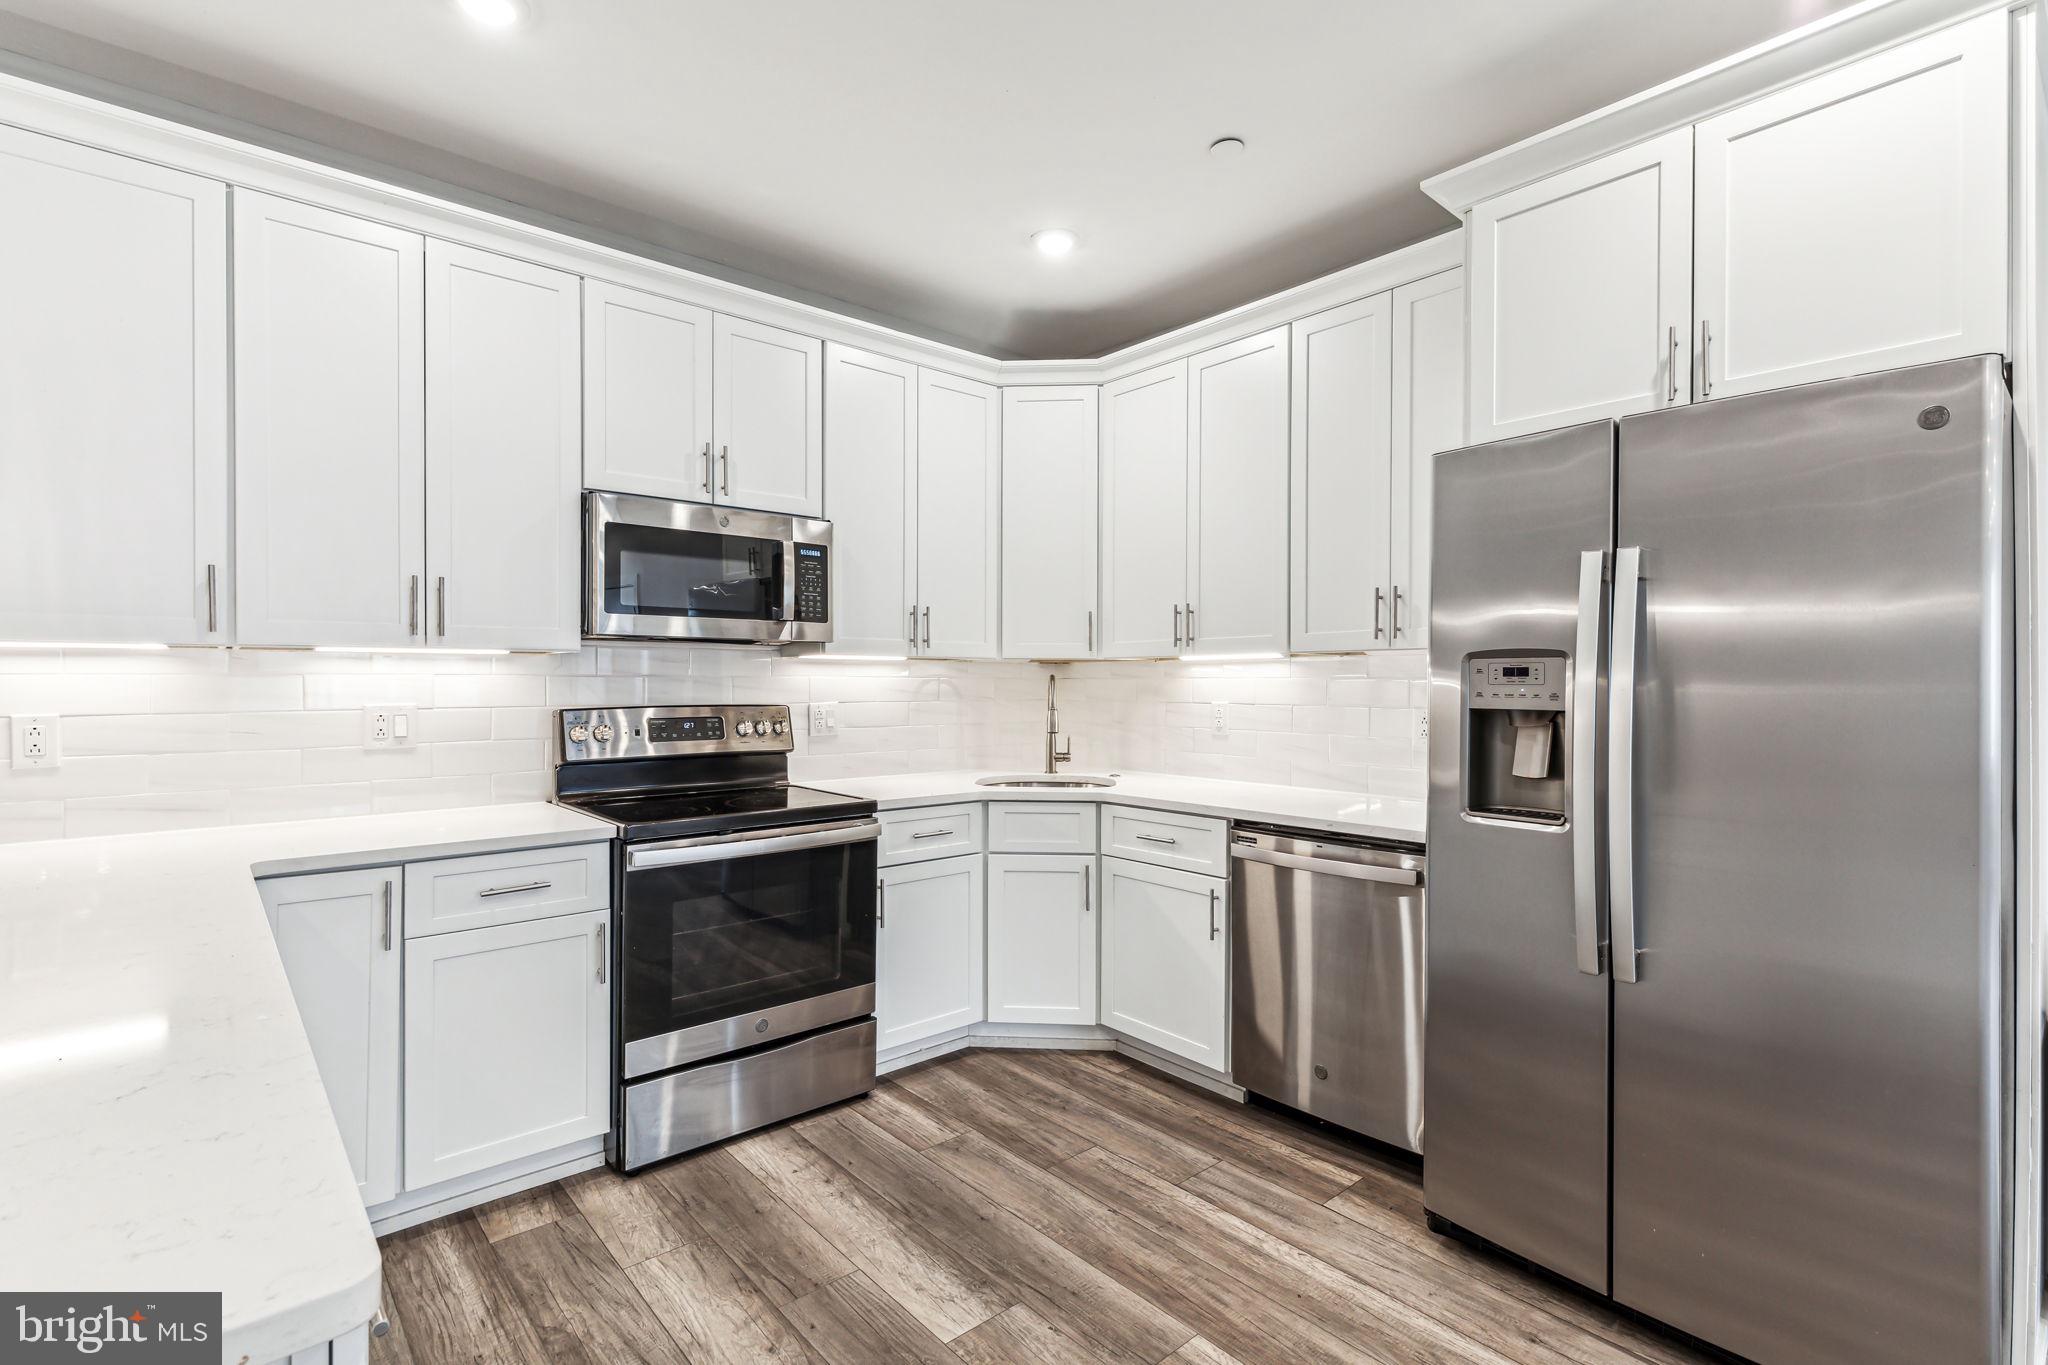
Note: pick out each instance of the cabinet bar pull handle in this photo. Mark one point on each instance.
(1671, 366)
(1214, 927)
(441, 606)
(1706, 365)
(1379, 602)
(707, 466)
(412, 606)
(1091, 632)
(913, 625)
(1176, 625)
(1191, 626)
(212, 599)
(512, 890)
(932, 834)
(724, 470)
(881, 903)
(927, 627)
(601, 954)
(1157, 839)
(387, 916)
(1087, 887)
(1396, 616)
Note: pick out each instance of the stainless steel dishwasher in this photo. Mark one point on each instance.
(1327, 937)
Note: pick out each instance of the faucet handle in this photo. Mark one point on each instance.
(1064, 751)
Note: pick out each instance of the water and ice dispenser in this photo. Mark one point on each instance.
(1514, 737)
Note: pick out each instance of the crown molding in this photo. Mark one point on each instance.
(1829, 42)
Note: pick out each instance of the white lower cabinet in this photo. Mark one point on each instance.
(1041, 938)
(1165, 959)
(928, 949)
(339, 935)
(506, 1033)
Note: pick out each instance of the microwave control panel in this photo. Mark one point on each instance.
(813, 593)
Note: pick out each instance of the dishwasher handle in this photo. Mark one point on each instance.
(1363, 872)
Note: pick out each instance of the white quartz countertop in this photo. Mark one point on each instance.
(1332, 812)
(162, 1124)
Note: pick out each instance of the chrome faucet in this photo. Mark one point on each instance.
(1055, 752)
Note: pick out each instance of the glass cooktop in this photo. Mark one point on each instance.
(682, 812)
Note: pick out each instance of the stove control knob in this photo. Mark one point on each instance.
(578, 732)
(746, 727)
(781, 727)
(601, 732)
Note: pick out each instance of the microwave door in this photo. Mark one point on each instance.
(657, 569)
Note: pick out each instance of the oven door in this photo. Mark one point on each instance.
(659, 569)
(736, 940)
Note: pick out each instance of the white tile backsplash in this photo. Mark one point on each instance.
(185, 738)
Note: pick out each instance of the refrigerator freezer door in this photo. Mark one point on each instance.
(1515, 1060)
(1808, 1073)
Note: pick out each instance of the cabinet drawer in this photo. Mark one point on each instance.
(1192, 843)
(505, 888)
(914, 836)
(1041, 827)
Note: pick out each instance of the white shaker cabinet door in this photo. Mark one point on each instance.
(330, 428)
(646, 394)
(1581, 292)
(1237, 491)
(339, 935)
(928, 949)
(1145, 513)
(1049, 522)
(1857, 221)
(871, 445)
(767, 418)
(1341, 477)
(113, 398)
(504, 425)
(1165, 954)
(507, 1035)
(1041, 938)
(1429, 418)
(959, 517)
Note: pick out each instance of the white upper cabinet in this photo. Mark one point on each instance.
(504, 426)
(646, 394)
(1429, 418)
(1049, 525)
(1857, 221)
(1237, 498)
(767, 418)
(959, 517)
(1581, 293)
(1144, 512)
(113, 398)
(871, 446)
(1342, 477)
(330, 427)
(339, 937)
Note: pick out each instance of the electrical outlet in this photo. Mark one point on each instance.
(38, 743)
(1219, 719)
(824, 718)
(390, 727)
(1422, 725)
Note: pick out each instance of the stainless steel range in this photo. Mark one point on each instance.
(745, 943)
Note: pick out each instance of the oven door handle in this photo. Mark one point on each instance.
(718, 848)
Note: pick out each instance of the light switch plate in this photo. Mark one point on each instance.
(391, 727)
(824, 718)
(38, 742)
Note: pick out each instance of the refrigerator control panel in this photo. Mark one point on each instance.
(1511, 684)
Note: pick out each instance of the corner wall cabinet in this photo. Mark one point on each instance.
(1145, 512)
(1050, 576)
(113, 425)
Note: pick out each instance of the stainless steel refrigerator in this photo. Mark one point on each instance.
(1720, 838)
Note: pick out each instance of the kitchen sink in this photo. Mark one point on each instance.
(1069, 780)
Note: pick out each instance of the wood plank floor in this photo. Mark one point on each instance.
(990, 1207)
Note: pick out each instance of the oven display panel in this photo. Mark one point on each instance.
(682, 729)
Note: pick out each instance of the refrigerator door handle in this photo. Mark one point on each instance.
(1586, 926)
(1621, 761)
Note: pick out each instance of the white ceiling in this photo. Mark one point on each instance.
(897, 154)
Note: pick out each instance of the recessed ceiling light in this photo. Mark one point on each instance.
(1226, 147)
(1053, 242)
(493, 13)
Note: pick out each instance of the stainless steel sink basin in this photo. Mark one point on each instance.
(1067, 780)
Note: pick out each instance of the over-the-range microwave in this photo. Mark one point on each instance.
(657, 569)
